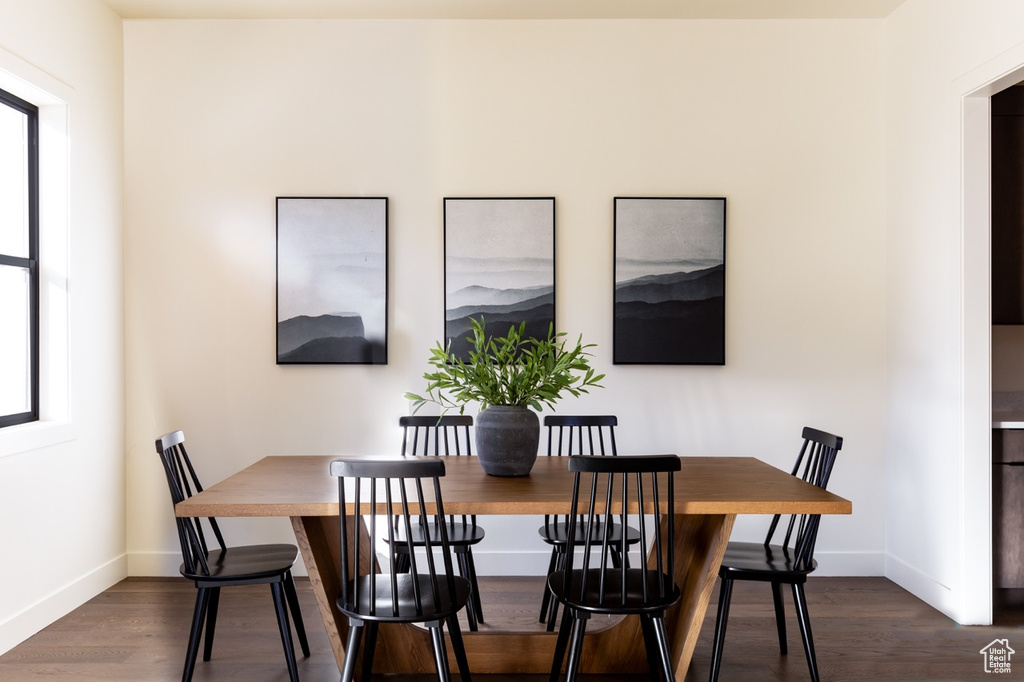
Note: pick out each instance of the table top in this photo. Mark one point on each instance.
(301, 485)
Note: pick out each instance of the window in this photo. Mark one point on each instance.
(19, 261)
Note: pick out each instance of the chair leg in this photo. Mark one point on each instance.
(658, 625)
(198, 615)
(780, 618)
(804, 620)
(560, 644)
(473, 582)
(616, 557)
(459, 647)
(402, 562)
(293, 605)
(552, 615)
(355, 633)
(286, 631)
(369, 648)
(460, 555)
(546, 599)
(651, 647)
(553, 607)
(440, 653)
(579, 629)
(723, 616)
(211, 622)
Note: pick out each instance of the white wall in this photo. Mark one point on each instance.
(784, 118)
(942, 60)
(62, 499)
(850, 262)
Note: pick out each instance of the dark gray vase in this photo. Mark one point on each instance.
(507, 439)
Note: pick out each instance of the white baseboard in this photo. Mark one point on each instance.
(511, 563)
(850, 564)
(154, 564)
(60, 602)
(165, 564)
(843, 564)
(921, 585)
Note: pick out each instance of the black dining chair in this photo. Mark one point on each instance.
(577, 435)
(223, 566)
(637, 486)
(400, 490)
(447, 435)
(788, 563)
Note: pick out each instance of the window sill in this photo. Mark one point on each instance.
(34, 436)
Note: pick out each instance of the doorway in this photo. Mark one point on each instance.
(974, 102)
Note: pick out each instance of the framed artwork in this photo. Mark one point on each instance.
(669, 281)
(499, 264)
(332, 280)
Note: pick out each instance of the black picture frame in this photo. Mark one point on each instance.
(332, 280)
(499, 264)
(669, 281)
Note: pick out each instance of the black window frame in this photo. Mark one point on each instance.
(31, 263)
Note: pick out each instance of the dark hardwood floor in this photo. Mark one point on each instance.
(865, 629)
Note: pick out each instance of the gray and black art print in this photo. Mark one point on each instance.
(499, 261)
(669, 281)
(332, 274)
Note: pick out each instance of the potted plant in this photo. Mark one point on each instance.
(508, 375)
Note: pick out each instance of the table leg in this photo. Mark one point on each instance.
(700, 545)
(700, 542)
(319, 539)
(399, 647)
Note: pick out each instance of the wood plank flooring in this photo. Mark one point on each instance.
(865, 629)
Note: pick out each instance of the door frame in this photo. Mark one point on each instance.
(972, 94)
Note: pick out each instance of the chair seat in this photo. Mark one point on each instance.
(558, 534)
(459, 535)
(246, 562)
(754, 561)
(407, 611)
(612, 579)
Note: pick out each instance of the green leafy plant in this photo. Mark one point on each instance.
(508, 370)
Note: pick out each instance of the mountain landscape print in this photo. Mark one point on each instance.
(331, 280)
(499, 266)
(669, 281)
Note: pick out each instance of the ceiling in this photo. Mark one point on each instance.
(503, 9)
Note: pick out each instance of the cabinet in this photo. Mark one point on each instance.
(1008, 206)
(1007, 509)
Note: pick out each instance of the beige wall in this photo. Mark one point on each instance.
(62, 484)
(784, 118)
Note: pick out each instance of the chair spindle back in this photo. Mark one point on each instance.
(570, 435)
(183, 483)
(395, 489)
(813, 465)
(426, 436)
(581, 435)
(635, 487)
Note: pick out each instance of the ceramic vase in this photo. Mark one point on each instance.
(506, 440)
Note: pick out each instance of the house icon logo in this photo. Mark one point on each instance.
(997, 656)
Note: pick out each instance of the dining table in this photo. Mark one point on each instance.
(709, 493)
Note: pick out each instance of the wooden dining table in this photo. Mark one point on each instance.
(709, 493)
